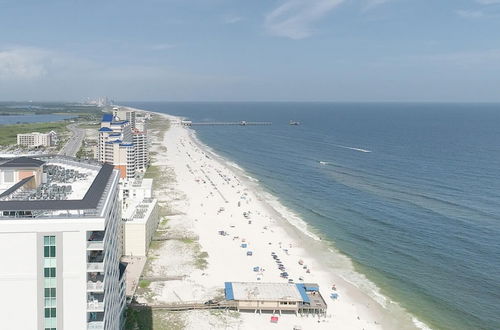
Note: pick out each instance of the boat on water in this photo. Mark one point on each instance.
(294, 123)
(323, 163)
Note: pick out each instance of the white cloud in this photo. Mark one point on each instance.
(470, 13)
(23, 63)
(293, 18)
(47, 74)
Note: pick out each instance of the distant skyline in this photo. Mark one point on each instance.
(240, 50)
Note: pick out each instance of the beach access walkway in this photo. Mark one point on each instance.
(184, 306)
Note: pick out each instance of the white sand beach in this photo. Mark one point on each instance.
(210, 196)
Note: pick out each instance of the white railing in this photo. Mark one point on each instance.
(95, 266)
(95, 306)
(95, 245)
(95, 325)
(95, 286)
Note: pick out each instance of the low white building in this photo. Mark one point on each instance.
(139, 227)
(61, 243)
(135, 191)
(36, 139)
(140, 215)
(303, 298)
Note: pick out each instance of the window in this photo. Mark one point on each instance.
(49, 251)
(49, 274)
(50, 312)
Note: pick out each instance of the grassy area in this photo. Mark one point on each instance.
(8, 133)
(144, 284)
(187, 240)
(200, 260)
(44, 108)
(161, 175)
(159, 123)
(159, 320)
(153, 172)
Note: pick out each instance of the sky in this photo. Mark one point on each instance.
(250, 50)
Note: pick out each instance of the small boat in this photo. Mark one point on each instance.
(323, 163)
(294, 123)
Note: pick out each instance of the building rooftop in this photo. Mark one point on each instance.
(107, 117)
(264, 291)
(121, 122)
(68, 184)
(21, 162)
(139, 212)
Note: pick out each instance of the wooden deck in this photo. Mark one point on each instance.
(184, 306)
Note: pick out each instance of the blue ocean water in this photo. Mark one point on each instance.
(409, 192)
(8, 120)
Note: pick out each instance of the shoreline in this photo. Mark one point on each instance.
(361, 305)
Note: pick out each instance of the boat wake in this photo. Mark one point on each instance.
(352, 148)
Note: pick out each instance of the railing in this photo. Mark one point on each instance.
(95, 286)
(95, 325)
(95, 306)
(95, 266)
(95, 245)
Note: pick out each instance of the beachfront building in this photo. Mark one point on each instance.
(15, 170)
(139, 227)
(125, 114)
(115, 145)
(60, 236)
(135, 190)
(123, 145)
(36, 139)
(140, 139)
(276, 297)
(140, 215)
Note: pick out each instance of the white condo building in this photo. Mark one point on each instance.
(36, 139)
(61, 237)
(140, 139)
(125, 114)
(115, 145)
(140, 213)
(122, 144)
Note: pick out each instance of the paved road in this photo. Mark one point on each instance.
(75, 141)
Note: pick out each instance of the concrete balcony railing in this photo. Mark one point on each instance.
(95, 245)
(95, 266)
(95, 286)
(95, 325)
(95, 306)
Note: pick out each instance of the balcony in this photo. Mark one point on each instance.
(95, 286)
(95, 267)
(95, 240)
(95, 320)
(95, 306)
(93, 303)
(95, 325)
(95, 245)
